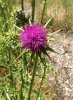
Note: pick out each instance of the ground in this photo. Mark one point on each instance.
(64, 63)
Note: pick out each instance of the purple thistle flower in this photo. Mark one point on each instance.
(34, 37)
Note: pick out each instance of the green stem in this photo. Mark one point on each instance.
(41, 83)
(33, 10)
(22, 5)
(22, 85)
(9, 63)
(28, 68)
(43, 11)
(33, 76)
(43, 77)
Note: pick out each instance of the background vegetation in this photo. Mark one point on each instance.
(14, 77)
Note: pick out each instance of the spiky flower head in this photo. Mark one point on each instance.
(34, 37)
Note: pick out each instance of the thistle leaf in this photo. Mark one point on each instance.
(52, 50)
(52, 34)
(48, 22)
(56, 41)
(45, 53)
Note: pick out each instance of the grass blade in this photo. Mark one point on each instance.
(7, 95)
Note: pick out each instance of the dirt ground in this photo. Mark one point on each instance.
(64, 64)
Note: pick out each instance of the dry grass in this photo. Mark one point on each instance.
(61, 11)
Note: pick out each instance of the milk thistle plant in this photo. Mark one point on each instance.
(34, 38)
(23, 53)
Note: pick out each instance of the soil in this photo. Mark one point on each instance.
(64, 64)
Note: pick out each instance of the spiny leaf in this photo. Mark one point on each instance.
(48, 22)
(45, 53)
(50, 35)
(56, 41)
(52, 50)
